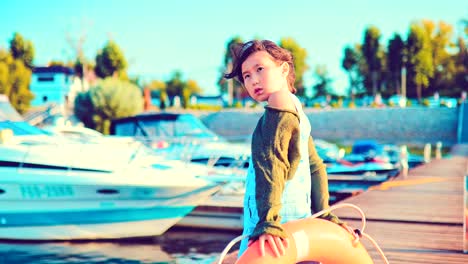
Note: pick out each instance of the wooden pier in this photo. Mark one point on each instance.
(417, 218)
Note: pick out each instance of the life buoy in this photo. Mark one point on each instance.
(312, 239)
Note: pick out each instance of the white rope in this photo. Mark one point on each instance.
(384, 258)
(316, 215)
(229, 246)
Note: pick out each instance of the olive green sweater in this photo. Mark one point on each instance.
(275, 158)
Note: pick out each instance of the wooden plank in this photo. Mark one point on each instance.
(409, 207)
(437, 198)
(394, 236)
(422, 257)
(417, 218)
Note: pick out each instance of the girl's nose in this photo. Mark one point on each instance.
(255, 79)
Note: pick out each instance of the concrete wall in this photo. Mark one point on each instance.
(416, 126)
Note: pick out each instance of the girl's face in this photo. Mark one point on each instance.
(263, 76)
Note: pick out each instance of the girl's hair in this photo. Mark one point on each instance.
(240, 52)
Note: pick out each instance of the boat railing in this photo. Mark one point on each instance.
(138, 150)
(23, 160)
(187, 148)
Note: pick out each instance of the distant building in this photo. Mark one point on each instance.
(52, 85)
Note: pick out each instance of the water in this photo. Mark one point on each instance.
(177, 245)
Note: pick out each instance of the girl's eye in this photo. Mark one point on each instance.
(246, 76)
(259, 69)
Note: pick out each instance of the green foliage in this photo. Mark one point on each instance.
(111, 98)
(162, 99)
(176, 86)
(15, 78)
(22, 49)
(460, 81)
(395, 59)
(323, 85)
(350, 63)
(192, 87)
(300, 66)
(350, 58)
(20, 78)
(157, 85)
(78, 67)
(15, 72)
(185, 97)
(372, 56)
(434, 63)
(224, 84)
(420, 63)
(110, 61)
(441, 46)
(84, 109)
(5, 62)
(158, 90)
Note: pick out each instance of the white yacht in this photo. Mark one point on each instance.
(55, 188)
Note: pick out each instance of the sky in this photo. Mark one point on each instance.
(160, 37)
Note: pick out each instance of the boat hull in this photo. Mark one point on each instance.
(42, 208)
(111, 230)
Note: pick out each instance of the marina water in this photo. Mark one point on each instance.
(177, 245)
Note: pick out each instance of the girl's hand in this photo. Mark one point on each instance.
(277, 244)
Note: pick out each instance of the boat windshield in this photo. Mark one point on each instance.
(183, 126)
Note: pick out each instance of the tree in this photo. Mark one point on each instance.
(322, 87)
(440, 36)
(420, 65)
(5, 61)
(395, 58)
(110, 99)
(22, 49)
(19, 78)
(370, 51)
(300, 65)
(110, 61)
(84, 109)
(461, 73)
(78, 67)
(232, 87)
(191, 88)
(15, 78)
(350, 63)
(158, 90)
(176, 86)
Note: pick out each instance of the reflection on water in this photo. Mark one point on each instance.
(176, 246)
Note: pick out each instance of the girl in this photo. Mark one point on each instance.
(286, 178)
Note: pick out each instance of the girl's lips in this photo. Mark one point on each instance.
(258, 90)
